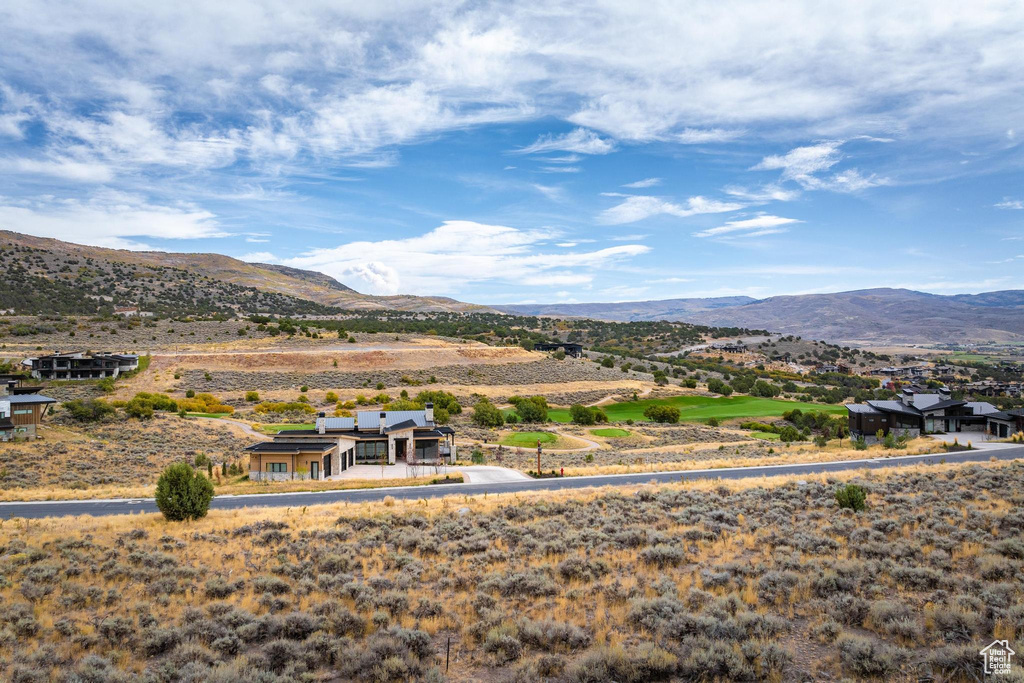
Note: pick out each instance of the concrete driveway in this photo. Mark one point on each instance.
(476, 474)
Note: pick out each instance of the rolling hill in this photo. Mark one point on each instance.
(888, 316)
(42, 274)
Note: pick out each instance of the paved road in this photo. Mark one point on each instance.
(128, 506)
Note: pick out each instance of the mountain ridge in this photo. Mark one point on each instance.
(299, 284)
(876, 315)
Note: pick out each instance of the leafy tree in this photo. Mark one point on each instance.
(485, 414)
(532, 409)
(662, 413)
(182, 493)
(607, 362)
(585, 415)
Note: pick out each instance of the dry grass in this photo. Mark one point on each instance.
(751, 579)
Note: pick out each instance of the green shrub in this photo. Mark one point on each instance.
(191, 393)
(713, 422)
(252, 396)
(485, 414)
(852, 497)
(585, 415)
(662, 413)
(88, 410)
(182, 493)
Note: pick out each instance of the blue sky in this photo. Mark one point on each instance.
(517, 152)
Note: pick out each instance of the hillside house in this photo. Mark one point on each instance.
(335, 444)
(574, 350)
(21, 414)
(81, 366)
(914, 414)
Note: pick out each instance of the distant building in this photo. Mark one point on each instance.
(574, 350)
(126, 311)
(337, 443)
(81, 366)
(730, 347)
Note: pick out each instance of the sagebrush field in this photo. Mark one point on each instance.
(739, 581)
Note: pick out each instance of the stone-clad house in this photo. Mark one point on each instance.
(336, 444)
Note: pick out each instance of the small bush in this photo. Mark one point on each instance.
(182, 493)
(852, 497)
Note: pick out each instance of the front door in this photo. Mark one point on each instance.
(314, 470)
(400, 448)
(327, 465)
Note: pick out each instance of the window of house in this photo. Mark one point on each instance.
(371, 450)
(23, 411)
(426, 449)
(277, 467)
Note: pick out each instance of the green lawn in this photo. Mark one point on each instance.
(527, 439)
(610, 432)
(767, 436)
(282, 427)
(208, 414)
(700, 408)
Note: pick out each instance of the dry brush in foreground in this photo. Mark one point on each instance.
(750, 580)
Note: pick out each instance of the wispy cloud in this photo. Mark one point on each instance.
(579, 140)
(108, 219)
(638, 207)
(1016, 204)
(646, 182)
(749, 227)
(696, 136)
(805, 164)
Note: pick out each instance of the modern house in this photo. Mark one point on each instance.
(914, 414)
(21, 414)
(1004, 424)
(571, 349)
(76, 366)
(337, 443)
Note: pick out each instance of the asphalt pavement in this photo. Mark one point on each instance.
(123, 506)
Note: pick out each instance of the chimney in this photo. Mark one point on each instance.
(429, 412)
(944, 391)
(321, 423)
(383, 421)
(10, 387)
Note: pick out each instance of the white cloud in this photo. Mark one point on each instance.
(458, 254)
(560, 169)
(108, 219)
(764, 193)
(557, 280)
(258, 257)
(638, 207)
(803, 164)
(696, 136)
(1007, 203)
(69, 169)
(750, 227)
(646, 182)
(579, 140)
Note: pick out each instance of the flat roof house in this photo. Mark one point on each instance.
(337, 443)
(570, 348)
(79, 366)
(916, 413)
